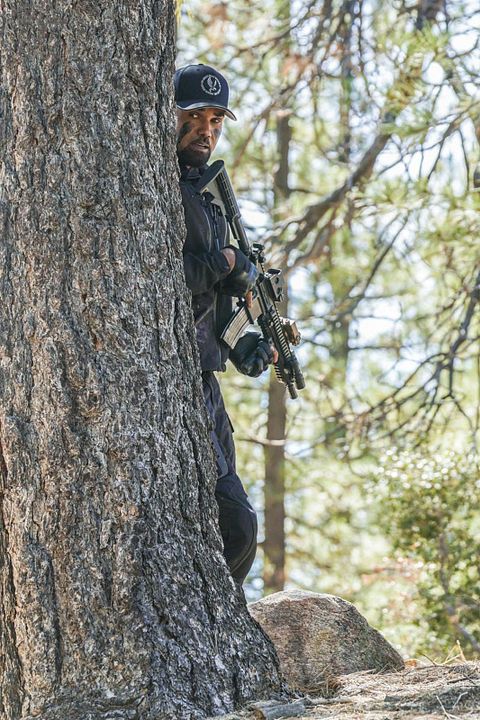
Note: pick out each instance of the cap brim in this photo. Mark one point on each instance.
(186, 105)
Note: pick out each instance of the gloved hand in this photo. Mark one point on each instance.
(252, 354)
(242, 277)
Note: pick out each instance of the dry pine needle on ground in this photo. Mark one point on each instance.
(418, 693)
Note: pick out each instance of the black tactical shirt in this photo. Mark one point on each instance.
(205, 268)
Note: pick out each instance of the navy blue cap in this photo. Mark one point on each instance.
(201, 86)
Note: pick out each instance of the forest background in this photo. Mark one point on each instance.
(354, 158)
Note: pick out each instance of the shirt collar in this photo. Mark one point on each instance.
(191, 174)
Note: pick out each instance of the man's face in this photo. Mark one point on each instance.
(198, 132)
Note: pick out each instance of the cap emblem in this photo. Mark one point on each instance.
(211, 85)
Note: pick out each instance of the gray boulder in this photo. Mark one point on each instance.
(318, 637)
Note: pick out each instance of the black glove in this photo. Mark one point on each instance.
(252, 354)
(243, 276)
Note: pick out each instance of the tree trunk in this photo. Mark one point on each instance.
(115, 598)
(274, 543)
(274, 551)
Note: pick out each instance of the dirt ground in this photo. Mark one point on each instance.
(417, 693)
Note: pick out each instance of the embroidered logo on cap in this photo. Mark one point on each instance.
(211, 85)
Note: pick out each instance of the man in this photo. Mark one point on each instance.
(216, 272)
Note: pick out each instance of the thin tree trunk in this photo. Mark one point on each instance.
(274, 543)
(274, 492)
(339, 329)
(115, 598)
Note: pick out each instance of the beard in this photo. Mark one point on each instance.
(192, 157)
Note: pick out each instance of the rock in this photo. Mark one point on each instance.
(318, 637)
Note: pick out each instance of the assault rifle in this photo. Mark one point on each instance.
(268, 291)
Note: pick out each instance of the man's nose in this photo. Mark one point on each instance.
(204, 128)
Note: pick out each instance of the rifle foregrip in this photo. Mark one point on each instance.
(293, 392)
(299, 379)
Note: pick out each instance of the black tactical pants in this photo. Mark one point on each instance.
(238, 521)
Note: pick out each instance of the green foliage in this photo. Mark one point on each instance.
(382, 281)
(429, 506)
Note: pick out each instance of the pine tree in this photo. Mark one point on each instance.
(115, 598)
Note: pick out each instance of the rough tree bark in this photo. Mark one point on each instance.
(115, 599)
